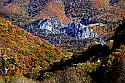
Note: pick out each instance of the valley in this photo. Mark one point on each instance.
(62, 41)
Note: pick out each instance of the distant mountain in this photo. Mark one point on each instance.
(25, 11)
(21, 52)
(84, 11)
(58, 33)
(95, 11)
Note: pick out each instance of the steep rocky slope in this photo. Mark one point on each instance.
(71, 36)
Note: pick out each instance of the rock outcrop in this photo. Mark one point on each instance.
(58, 33)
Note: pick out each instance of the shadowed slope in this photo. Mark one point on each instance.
(99, 51)
(119, 36)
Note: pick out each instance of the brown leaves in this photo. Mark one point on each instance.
(24, 51)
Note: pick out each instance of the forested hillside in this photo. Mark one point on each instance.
(21, 52)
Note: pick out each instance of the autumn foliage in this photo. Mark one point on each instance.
(21, 52)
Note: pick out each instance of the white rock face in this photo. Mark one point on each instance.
(80, 31)
(73, 29)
